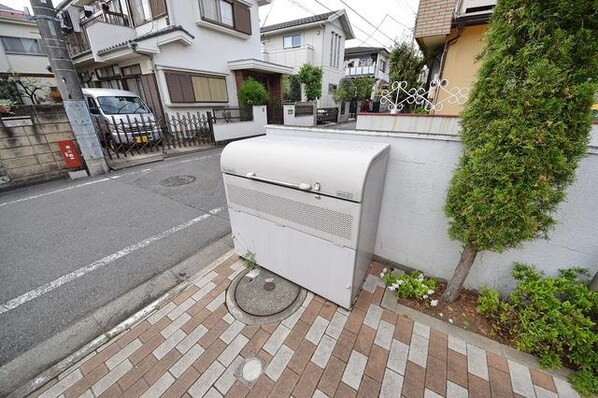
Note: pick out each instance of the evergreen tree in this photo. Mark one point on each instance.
(525, 126)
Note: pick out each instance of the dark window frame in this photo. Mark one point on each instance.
(39, 45)
(235, 6)
(293, 35)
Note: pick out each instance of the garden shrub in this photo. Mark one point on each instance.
(554, 318)
(412, 285)
(253, 93)
(311, 76)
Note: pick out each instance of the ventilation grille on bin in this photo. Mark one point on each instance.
(329, 221)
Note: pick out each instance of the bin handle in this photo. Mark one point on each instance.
(303, 186)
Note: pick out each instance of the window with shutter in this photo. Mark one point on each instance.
(158, 8)
(185, 88)
(180, 88)
(242, 16)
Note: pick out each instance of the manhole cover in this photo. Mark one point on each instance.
(266, 294)
(177, 180)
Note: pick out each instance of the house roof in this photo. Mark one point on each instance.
(163, 31)
(297, 22)
(314, 19)
(364, 50)
(11, 13)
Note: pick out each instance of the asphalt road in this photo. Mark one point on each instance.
(69, 247)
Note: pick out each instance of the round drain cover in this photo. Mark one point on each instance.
(177, 180)
(266, 294)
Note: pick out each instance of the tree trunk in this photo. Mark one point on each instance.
(453, 288)
(594, 282)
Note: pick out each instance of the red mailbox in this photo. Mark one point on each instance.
(70, 154)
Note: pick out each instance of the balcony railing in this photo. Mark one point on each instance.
(294, 57)
(360, 70)
(110, 17)
(78, 42)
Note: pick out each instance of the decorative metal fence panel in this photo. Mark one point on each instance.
(304, 109)
(327, 115)
(127, 136)
(400, 95)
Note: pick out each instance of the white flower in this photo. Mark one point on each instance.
(392, 288)
(425, 296)
(441, 315)
(434, 303)
(420, 278)
(385, 270)
(450, 321)
(400, 281)
(430, 291)
(382, 275)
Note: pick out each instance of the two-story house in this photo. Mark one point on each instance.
(368, 62)
(21, 52)
(179, 56)
(449, 32)
(318, 40)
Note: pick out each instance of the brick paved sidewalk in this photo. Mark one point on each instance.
(192, 347)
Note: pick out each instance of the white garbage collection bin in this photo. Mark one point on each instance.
(307, 208)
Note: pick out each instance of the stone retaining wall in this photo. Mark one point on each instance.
(29, 144)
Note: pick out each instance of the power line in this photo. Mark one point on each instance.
(362, 17)
(355, 26)
(267, 15)
(371, 34)
(407, 4)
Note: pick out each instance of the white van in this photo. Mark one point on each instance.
(122, 116)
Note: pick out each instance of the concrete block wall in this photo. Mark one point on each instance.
(412, 229)
(29, 144)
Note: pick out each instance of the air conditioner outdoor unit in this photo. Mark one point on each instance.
(307, 208)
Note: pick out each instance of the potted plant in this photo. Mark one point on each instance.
(6, 105)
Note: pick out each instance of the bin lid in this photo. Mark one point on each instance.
(331, 167)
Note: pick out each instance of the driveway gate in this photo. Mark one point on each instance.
(143, 135)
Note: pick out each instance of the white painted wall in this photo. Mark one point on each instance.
(317, 41)
(302, 121)
(230, 131)
(25, 63)
(412, 230)
(210, 51)
(423, 124)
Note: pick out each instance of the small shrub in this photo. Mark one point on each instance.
(253, 93)
(413, 285)
(585, 382)
(554, 318)
(311, 76)
(249, 260)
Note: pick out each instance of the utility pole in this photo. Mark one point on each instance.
(69, 87)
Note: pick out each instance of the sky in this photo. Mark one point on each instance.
(376, 23)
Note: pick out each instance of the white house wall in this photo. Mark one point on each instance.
(209, 53)
(26, 64)
(317, 38)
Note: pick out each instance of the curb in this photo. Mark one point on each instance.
(52, 372)
(389, 302)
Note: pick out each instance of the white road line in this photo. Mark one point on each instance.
(48, 287)
(56, 191)
(114, 177)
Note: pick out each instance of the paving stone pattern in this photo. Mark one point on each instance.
(192, 347)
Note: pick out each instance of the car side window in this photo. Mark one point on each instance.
(93, 108)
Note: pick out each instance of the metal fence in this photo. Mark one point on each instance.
(304, 110)
(232, 115)
(126, 136)
(327, 115)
